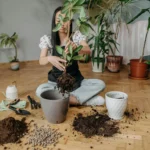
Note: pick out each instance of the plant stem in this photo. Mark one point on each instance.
(144, 46)
(15, 51)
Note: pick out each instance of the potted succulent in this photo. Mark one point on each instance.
(139, 67)
(7, 41)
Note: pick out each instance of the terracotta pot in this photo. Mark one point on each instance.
(14, 66)
(138, 69)
(114, 63)
(54, 105)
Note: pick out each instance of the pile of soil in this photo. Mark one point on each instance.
(12, 130)
(96, 124)
(65, 83)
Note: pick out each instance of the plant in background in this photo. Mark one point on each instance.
(148, 28)
(9, 41)
(139, 67)
(103, 41)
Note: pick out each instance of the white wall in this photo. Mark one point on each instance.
(30, 19)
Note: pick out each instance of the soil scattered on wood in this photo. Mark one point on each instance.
(132, 115)
(65, 83)
(12, 130)
(96, 124)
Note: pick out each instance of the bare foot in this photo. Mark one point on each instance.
(73, 100)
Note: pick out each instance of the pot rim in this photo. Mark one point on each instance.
(119, 92)
(56, 100)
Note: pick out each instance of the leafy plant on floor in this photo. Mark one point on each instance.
(103, 41)
(9, 41)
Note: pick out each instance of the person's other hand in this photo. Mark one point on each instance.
(67, 45)
(57, 62)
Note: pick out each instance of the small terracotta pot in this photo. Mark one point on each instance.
(55, 105)
(114, 63)
(14, 66)
(138, 69)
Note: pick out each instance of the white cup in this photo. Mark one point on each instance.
(116, 103)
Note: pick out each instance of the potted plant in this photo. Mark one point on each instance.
(7, 41)
(102, 43)
(139, 67)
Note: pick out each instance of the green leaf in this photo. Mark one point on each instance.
(84, 29)
(148, 27)
(68, 58)
(77, 49)
(77, 9)
(74, 2)
(82, 13)
(78, 58)
(65, 9)
(66, 19)
(59, 50)
(80, 2)
(58, 26)
(138, 15)
(78, 22)
(70, 49)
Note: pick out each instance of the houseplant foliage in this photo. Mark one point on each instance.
(7, 41)
(139, 67)
(103, 42)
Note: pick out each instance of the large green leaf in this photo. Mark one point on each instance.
(138, 15)
(78, 57)
(77, 9)
(70, 49)
(59, 50)
(65, 9)
(82, 13)
(84, 29)
(58, 26)
(77, 49)
(68, 58)
(80, 2)
(78, 22)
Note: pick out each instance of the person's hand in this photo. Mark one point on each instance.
(67, 45)
(57, 62)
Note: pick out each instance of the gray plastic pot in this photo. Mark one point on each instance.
(55, 106)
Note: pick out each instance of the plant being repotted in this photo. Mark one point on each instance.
(139, 67)
(7, 41)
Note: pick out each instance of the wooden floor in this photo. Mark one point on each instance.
(135, 137)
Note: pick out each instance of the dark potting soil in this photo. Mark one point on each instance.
(65, 83)
(12, 130)
(96, 124)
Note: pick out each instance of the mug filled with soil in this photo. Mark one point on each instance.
(116, 103)
(54, 105)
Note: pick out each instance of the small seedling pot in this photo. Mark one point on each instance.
(54, 105)
(116, 103)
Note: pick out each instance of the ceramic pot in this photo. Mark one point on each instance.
(116, 103)
(54, 105)
(96, 67)
(138, 70)
(11, 92)
(114, 63)
(14, 66)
